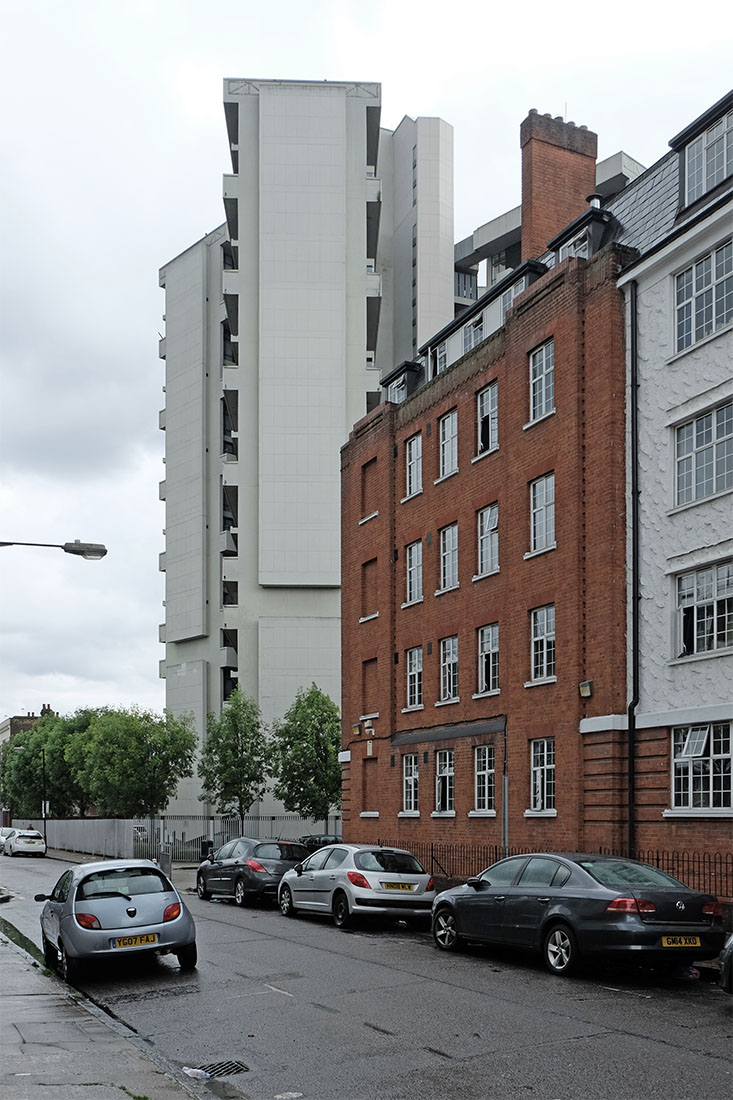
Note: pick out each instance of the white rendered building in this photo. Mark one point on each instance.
(335, 262)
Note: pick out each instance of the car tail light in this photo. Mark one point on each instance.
(712, 909)
(631, 905)
(357, 879)
(431, 883)
(172, 911)
(255, 866)
(87, 920)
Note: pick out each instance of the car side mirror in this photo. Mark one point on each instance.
(298, 868)
(42, 897)
(478, 883)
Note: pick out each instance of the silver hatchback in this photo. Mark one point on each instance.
(348, 880)
(111, 909)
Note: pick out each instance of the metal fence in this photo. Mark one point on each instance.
(711, 872)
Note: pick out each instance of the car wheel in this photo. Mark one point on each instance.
(560, 950)
(187, 957)
(240, 894)
(201, 890)
(68, 966)
(50, 955)
(340, 910)
(445, 930)
(286, 902)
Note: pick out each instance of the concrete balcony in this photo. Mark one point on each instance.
(231, 205)
(161, 420)
(228, 657)
(161, 490)
(161, 669)
(228, 542)
(161, 348)
(161, 632)
(161, 562)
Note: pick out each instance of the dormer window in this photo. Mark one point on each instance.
(473, 333)
(578, 246)
(510, 296)
(397, 391)
(709, 158)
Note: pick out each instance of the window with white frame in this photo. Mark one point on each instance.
(510, 296)
(397, 390)
(542, 513)
(704, 455)
(701, 767)
(414, 678)
(448, 425)
(449, 557)
(413, 562)
(484, 788)
(444, 781)
(704, 296)
(488, 658)
(578, 246)
(441, 358)
(488, 540)
(473, 333)
(413, 465)
(449, 669)
(542, 381)
(705, 609)
(488, 418)
(709, 158)
(543, 642)
(410, 783)
(543, 774)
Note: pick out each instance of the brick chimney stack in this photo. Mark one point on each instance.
(558, 173)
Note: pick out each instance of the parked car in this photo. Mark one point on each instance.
(24, 842)
(726, 966)
(4, 834)
(114, 908)
(574, 906)
(314, 841)
(358, 879)
(248, 870)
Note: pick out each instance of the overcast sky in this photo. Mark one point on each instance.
(113, 148)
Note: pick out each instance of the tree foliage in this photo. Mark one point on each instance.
(304, 755)
(233, 764)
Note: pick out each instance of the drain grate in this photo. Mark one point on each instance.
(225, 1069)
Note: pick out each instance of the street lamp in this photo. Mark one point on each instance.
(92, 551)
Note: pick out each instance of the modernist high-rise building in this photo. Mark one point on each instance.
(335, 262)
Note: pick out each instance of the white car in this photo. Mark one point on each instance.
(4, 833)
(347, 880)
(24, 842)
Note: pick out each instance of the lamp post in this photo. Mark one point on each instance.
(92, 551)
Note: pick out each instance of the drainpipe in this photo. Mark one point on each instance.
(635, 573)
(505, 798)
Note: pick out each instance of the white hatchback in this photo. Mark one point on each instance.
(24, 842)
(348, 880)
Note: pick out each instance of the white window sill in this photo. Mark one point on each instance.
(410, 710)
(368, 717)
(483, 454)
(368, 618)
(701, 500)
(444, 477)
(410, 603)
(481, 576)
(699, 811)
(447, 702)
(531, 423)
(543, 550)
(369, 813)
(540, 813)
(481, 813)
(688, 657)
(409, 813)
(443, 813)
(539, 683)
(372, 515)
(697, 344)
(417, 493)
(486, 694)
(450, 588)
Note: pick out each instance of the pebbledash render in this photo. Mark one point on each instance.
(537, 585)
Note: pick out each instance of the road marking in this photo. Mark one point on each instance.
(628, 992)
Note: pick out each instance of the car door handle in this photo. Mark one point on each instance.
(543, 901)
(500, 897)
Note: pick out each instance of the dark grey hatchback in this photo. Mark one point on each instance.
(247, 869)
(574, 906)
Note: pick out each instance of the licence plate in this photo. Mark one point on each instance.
(680, 941)
(135, 941)
(398, 885)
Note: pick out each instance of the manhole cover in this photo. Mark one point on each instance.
(224, 1069)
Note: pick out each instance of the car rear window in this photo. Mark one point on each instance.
(30, 834)
(293, 852)
(132, 881)
(396, 863)
(618, 872)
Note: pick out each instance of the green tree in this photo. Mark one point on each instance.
(129, 762)
(233, 764)
(66, 796)
(305, 747)
(22, 775)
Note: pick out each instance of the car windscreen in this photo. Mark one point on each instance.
(395, 863)
(294, 853)
(128, 881)
(620, 873)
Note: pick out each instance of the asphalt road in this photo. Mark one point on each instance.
(377, 1013)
